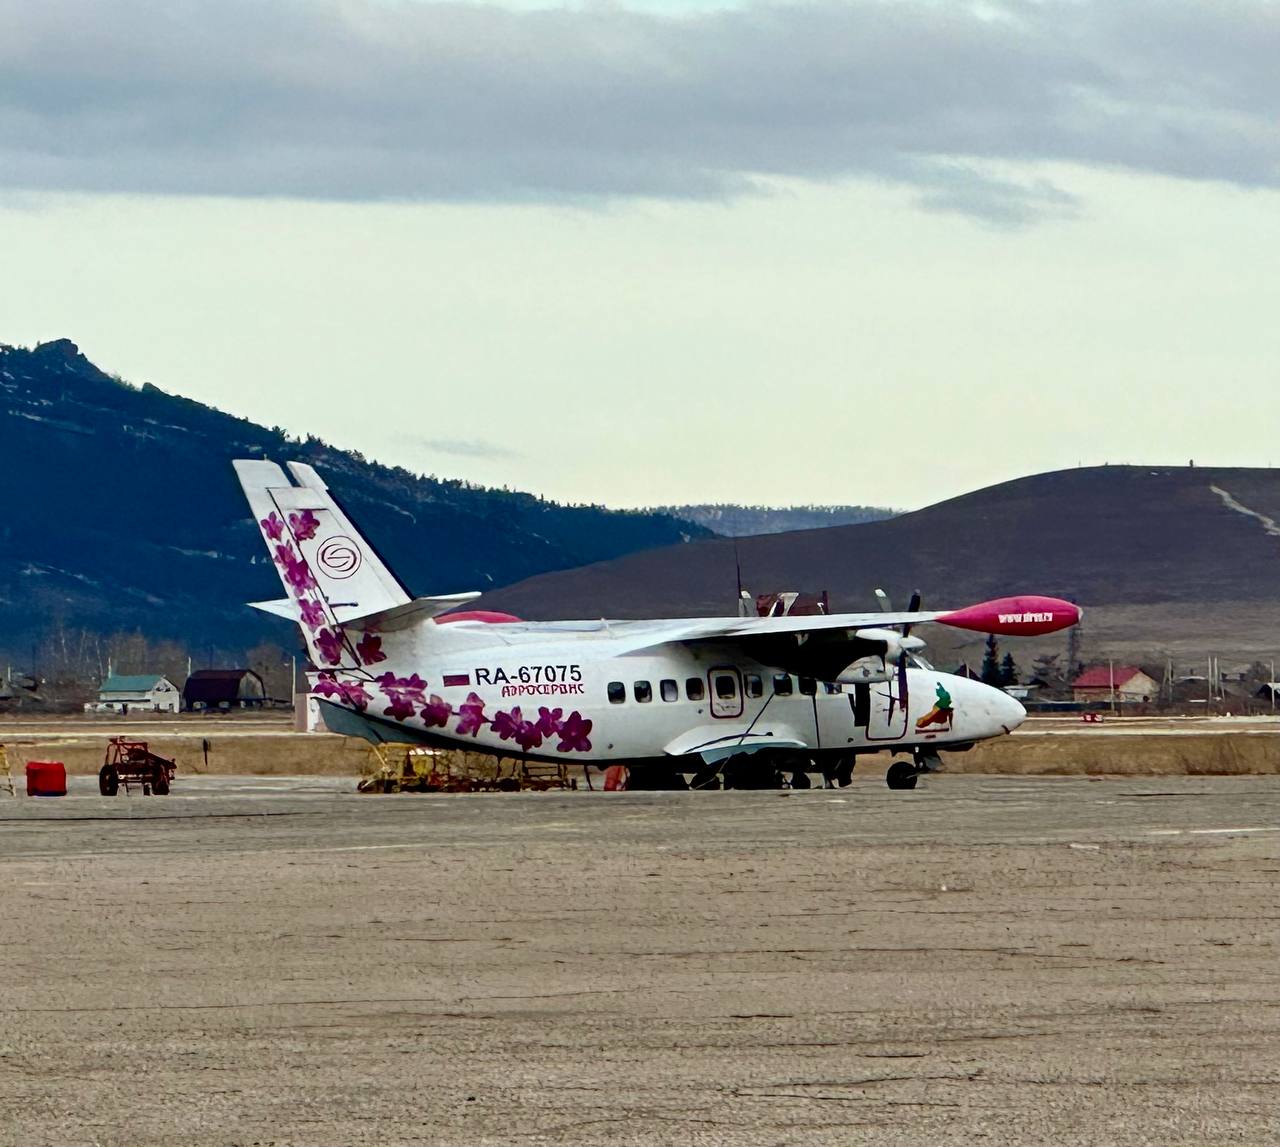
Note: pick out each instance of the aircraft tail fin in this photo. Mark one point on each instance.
(330, 572)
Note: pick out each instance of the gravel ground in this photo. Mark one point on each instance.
(1004, 960)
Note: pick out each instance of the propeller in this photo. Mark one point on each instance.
(913, 606)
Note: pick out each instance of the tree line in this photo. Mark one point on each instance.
(70, 662)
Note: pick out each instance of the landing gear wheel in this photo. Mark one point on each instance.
(752, 771)
(800, 780)
(844, 773)
(108, 781)
(901, 775)
(707, 777)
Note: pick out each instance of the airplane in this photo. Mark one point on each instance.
(738, 699)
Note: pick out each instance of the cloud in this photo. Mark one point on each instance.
(458, 447)
(374, 99)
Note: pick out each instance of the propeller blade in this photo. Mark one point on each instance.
(906, 652)
(913, 606)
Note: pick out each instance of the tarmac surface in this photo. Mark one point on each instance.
(256, 961)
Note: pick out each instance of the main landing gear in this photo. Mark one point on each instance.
(904, 774)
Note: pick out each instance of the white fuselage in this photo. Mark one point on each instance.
(600, 692)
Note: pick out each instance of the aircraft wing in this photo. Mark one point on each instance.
(830, 636)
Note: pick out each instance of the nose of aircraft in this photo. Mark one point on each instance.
(980, 710)
(1009, 711)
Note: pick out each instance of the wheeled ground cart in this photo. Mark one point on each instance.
(132, 763)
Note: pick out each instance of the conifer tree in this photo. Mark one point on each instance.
(1008, 670)
(991, 662)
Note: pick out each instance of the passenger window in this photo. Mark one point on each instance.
(670, 690)
(617, 692)
(726, 686)
(644, 691)
(782, 684)
(755, 687)
(831, 687)
(808, 686)
(693, 689)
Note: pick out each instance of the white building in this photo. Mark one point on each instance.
(146, 693)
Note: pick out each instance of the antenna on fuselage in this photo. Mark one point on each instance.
(743, 598)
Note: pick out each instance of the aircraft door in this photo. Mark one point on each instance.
(887, 720)
(726, 691)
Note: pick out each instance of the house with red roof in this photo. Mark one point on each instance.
(1123, 683)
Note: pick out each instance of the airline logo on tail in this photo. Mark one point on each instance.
(339, 557)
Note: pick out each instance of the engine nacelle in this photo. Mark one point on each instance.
(866, 671)
(881, 665)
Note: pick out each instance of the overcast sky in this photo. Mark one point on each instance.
(652, 252)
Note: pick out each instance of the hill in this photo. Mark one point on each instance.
(1175, 550)
(746, 521)
(122, 512)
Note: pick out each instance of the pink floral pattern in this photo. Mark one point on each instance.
(351, 692)
(471, 716)
(329, 645)
(400, 709)
(504, 724)
(549, 721)
(296, 572)
(436, 713)
(574, 734)
(370, 649)
(404, 694)
(513, 727)
(406, 697)
(312, 613)
(272, 526)
(304, 525)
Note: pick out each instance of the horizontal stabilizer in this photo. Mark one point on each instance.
(419, 609)
(282, 607)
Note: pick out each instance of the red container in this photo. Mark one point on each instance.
(46, 779)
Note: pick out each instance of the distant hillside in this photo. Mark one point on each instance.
(747, 521)
(121, 511)
(1107, 535)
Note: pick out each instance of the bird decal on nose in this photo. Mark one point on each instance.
(941, 713)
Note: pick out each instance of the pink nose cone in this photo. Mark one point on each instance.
(1025, 616)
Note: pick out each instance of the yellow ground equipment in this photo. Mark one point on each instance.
(543, 775)
(6, 773)
(404, 768)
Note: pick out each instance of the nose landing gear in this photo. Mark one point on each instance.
(904, 774)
